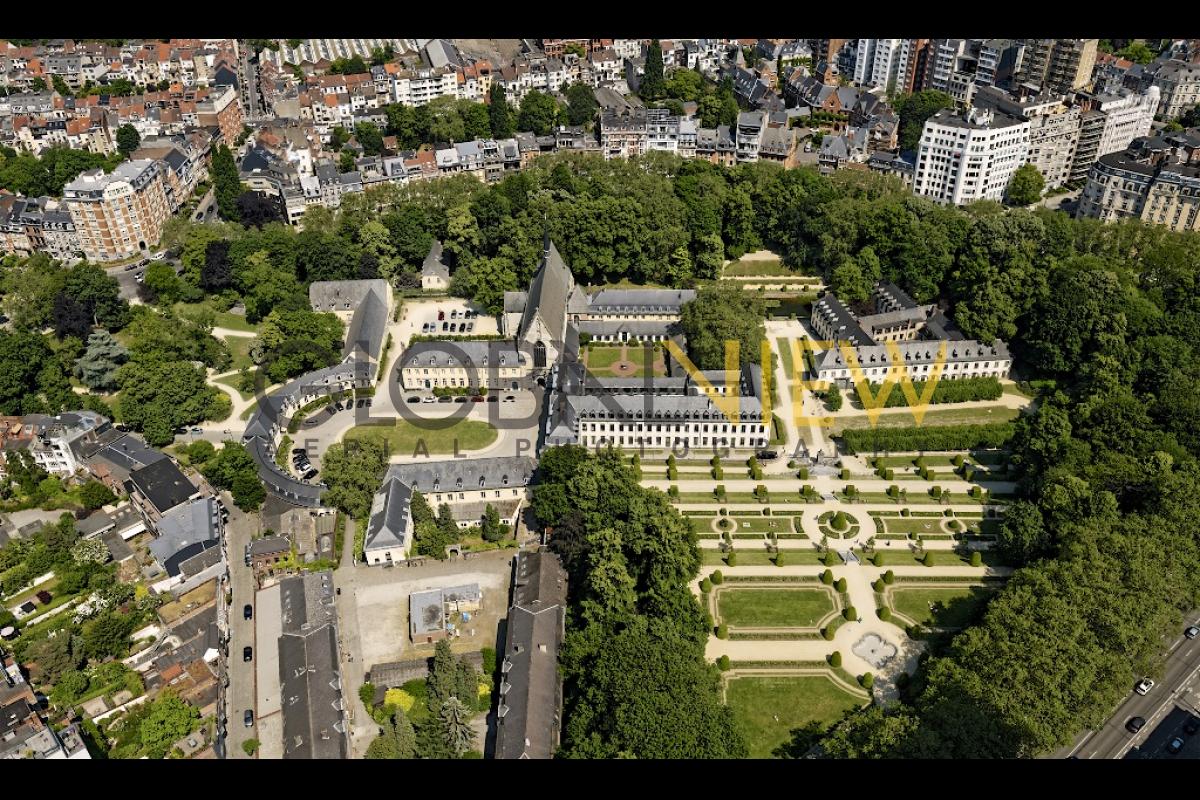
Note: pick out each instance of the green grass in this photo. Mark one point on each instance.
(239, 346)
(784, 346)
(761, 525)
(773, 608)
(221, 319)
(404, 438)
(759, 557)
(910, 525)
(601, 358)
(768, 708)
(947, 416)
(769, 267)
(232, 382)
(21, 597)
(941, 558)
(953, 607)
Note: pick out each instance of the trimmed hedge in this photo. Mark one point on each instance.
(930, 437)
(958, 390)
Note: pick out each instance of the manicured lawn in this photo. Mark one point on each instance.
(770, 267)
(601, 358)
(950, 607)
(239, 346)
(404, 438)
(761, 525)
(903, 557)
(910, 525)
(935, 416)
(767, 709)
(773, 608)
(232, 382)
(759, 557)
(221, 319)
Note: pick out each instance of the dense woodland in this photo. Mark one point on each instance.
(1106, 317)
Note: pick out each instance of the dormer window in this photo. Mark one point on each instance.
(480, 481)
(458, 483)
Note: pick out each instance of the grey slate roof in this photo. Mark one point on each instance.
(162, 484)
(528, 714)
(368, 326)
(311, 690)
(343, 295)
(388, 526)
(185, 532)
(548, 294)
(473, 473)
(466, 352)
(643, 301)
(433, 267)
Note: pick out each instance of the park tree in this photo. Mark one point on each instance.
(538, 113)
(1025, 186)
(128, 140)
(653, 86)
(581, 104)
(914, 109)
(369, 137)
(255, 209)
(499, 114)
(353, 474)
(217, 273)
(398, 739)
(227, 184)
(456, 721)
(719, 314)
(97, 367)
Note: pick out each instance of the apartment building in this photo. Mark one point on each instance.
(1109, 123)
(967, 157)
(1156, 180)
(120, 214)
(39, 224)
(889, 64)
(749, 135)
(420, 87)
(1179, 83)
(1060, 66)
(982, 62)
(623, 132)
(461, 364)
(1053, 130)
(222, 110)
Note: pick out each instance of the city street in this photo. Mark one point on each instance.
(240, 695)
(1178, 686)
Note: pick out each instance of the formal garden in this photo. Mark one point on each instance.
(769, 708)
(745, 607)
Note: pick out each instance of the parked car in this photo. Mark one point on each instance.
(247, 653)
(413, 399)
(441, 315)
(141, 276)
(248, 718)
(368, 402)
(1175, 746)
(493, 398)
(1135, 724)
(477, 399)
(312, 421)
(453, 327)
(312, 473)
(1191, 726)
(429, 399)
(299, 451)
(1144, 686)
(470, 327)
(361, 403)
(445, 326)
(197, 430)
(510, 399)
(131, 267)
(247, 611)
(460, 399)
(445, 399)
(1192, 632)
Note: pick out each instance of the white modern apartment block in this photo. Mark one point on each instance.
(120, 214)
(1126, 117)
(967, 157)
(1179, 83)
(1054, 129)
(420, 87)
(879, 62)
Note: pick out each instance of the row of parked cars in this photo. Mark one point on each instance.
(448, 327)
(462, 398)
(341, 405)
(300, 463)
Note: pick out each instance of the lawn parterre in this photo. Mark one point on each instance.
(941, 607)
(769, 708)
(763, 607)
(404, 438)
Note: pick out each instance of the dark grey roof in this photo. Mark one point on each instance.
(270, 545)
(548, 294)
(663, 301)
(388, 526)
(514, 302)
(368, 326)
(844, 324)
(467, 352)
(464, 473)
(528, 714)
(163, 484)
(311, 694)
(433, 266)
(186, 531)
(343, 295)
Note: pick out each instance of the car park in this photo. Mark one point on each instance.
(247, 653)
(1192, 632)
(1135, 724)
(1144, 686)
(248, 718)
(312, 473)
(1175, 746)
(247, 611)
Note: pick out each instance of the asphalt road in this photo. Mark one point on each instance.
(241, 692)
(1179, 686)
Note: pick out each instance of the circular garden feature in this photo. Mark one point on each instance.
(838, 525)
